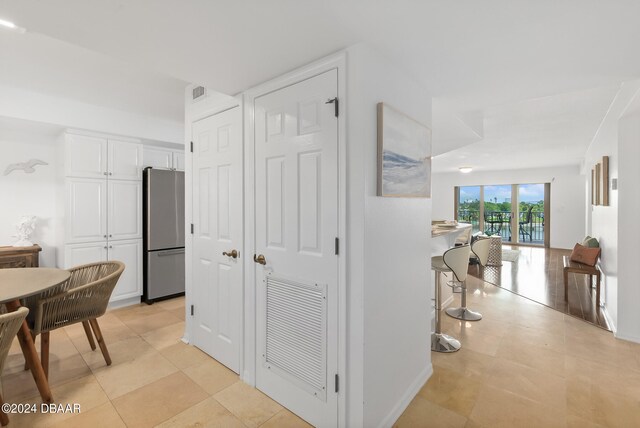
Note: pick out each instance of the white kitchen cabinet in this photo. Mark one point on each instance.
(124, 219)
(86, 212)
(128, 252)
(124, 160)
(85, 156)
(101, 185)
(156, 157)
(82, 254)
(178, 161)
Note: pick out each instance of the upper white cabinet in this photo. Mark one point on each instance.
(178, 161)
(85, 156)
(96, 157)
(159, 157)
(124, 160)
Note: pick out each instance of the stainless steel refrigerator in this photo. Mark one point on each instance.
(163, 211)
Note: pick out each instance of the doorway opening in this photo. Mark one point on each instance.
(519, 213)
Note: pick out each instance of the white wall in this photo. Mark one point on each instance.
(567, 196)
(27, 105)
(389, 252)
(29, 194)
(628, 316)
(603, 222)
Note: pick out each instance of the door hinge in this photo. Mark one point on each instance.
(192, 147)
(336, 105)
(337, 382)
(192, 228)
(192, 310)
(337, 249)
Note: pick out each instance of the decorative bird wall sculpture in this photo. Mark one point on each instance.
(27, 166)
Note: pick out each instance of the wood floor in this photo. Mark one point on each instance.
(537, 275)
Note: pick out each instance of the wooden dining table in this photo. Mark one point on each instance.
(19, 283)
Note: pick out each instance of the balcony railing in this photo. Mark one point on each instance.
(499, 222)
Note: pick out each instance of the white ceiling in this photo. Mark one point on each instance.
(487, 63)
(42, 64)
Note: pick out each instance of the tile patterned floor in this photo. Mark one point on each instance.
(523, 365)
(527, 365)
(154, 380)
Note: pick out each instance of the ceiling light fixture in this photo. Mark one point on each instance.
(465, 169)
(11, 26)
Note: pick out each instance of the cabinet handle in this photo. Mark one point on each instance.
(110, 246)
(111, 173)
(105, 247)
(110, 236)
(105, 173)
(104, 236)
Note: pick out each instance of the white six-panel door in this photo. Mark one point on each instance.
(296, 225)
(217, 214)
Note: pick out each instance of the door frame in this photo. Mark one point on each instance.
(250, 354)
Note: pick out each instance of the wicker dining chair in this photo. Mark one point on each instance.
(82, 298)
(10, 323)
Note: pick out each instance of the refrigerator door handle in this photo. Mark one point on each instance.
(170, 252)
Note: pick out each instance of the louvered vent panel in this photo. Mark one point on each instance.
(296, 333)
(198, 92)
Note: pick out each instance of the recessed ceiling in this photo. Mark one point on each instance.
(549, 131)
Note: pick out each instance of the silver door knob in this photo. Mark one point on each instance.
(259, 259)
(233, 254)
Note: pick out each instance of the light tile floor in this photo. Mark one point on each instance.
(523, 365)
(527, 365)
(155, 379)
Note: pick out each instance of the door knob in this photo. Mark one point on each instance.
(232, 254)
(260, 259)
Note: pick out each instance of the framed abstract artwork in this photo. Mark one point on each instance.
(404, 155)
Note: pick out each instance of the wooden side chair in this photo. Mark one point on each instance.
(82, 298)
(10, 323)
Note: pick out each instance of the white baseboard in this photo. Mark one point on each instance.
(125, 302)
(406, 398)
(629, 338)
(609, 319)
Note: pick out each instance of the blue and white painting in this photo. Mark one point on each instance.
(404, 148)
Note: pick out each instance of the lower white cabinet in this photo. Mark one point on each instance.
(128, 252)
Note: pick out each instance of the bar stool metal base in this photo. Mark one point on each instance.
(441, 342)
(464, 314)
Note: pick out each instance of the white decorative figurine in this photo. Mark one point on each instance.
(25, 227)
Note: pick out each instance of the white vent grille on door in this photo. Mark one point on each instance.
(296, 336)
(198, 92)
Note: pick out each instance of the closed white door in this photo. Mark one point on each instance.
(157, 158)
(178, 161)
(125, 209)
(86, 218)
(125, 160)
(130, 253)
(296, 227)
(217, 214)
(85, 156)
(82, 254)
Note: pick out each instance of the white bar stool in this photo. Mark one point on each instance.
(481, 249)
(453, 260)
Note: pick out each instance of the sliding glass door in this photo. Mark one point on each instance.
(519, 213)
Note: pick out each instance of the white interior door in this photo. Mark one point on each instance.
(217, 213)
(296, 226)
